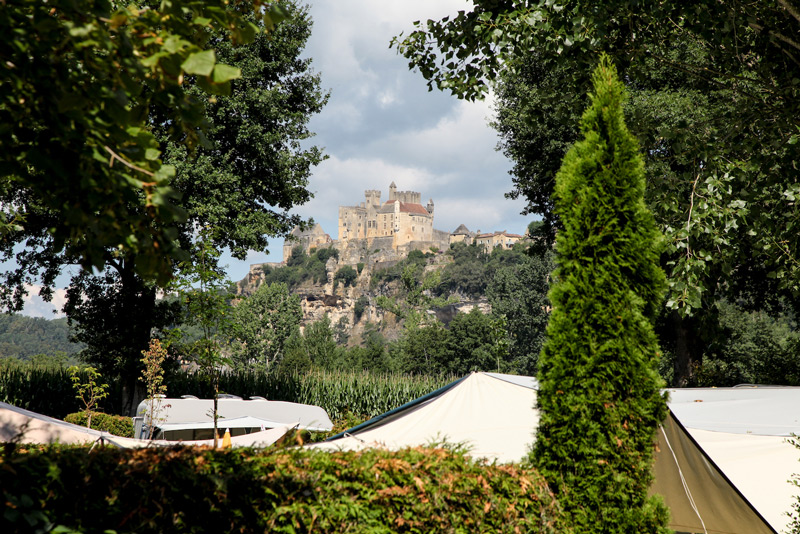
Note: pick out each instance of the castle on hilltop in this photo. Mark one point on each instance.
(399, 225)
(402, 217)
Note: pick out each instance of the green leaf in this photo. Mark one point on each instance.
(225, 73)
(201, 63)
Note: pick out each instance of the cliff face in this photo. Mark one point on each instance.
(340, 303)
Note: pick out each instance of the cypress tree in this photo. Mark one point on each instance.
(599, 398)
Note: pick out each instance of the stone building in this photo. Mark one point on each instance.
(402, 217)
(462, 235)
(497, 239)
(312, 238)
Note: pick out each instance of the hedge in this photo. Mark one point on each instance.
(117, 425)
(284, 491)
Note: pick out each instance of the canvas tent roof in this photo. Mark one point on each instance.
(715, 482)
(30, 427)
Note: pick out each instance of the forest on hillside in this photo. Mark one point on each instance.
(24, 337)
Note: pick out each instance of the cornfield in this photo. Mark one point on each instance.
(48, 390)
(339, 392)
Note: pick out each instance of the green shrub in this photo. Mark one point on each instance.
(360, 306)
(179, 490)
(117, 425)
(347, 275)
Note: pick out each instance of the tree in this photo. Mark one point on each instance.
(202, 288)
(320, 344)
(414, 298)
(599, 397)
(114, 315)
(422, 349)
(714, 104)
(477, 342)
(90, 392)
(262, 324)
(80, 171)
(242, 184)
(519, 295)
(347, 275)
(153, 376)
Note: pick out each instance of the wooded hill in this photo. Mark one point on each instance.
(24, 337)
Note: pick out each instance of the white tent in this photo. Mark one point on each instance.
(714, 482)
(25, 426)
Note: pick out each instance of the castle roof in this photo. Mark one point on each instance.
(461, 230)
(503, 233)
(405, 207)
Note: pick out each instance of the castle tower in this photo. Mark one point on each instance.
(373, 197)
(429, 207)
(392, 191)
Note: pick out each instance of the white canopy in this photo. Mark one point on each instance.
(25, 426)
(194, 414)
(715, 482)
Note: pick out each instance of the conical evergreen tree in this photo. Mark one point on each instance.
(599, 396)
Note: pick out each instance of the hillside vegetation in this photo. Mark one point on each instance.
(24, 337)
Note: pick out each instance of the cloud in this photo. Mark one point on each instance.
(35, 306)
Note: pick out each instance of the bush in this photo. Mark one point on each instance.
(117, 425)
(201, 490)
(347, 275)
(359, 307)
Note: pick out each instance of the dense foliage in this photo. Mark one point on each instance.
(46, 389)
(599, 398)
(291, 491)
(262, 324)
(751, 347)
(81, 172)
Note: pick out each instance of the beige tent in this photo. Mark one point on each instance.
(713, 482)
(25, 426)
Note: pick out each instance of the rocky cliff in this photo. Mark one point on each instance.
(343, 304)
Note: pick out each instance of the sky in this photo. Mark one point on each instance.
(382, 124)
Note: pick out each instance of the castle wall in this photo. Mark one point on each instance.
(352, 222)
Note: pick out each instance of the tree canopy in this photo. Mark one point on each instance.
(240, 182)
(81, 170)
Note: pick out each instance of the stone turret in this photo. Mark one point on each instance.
(430, 206)
(373, 198)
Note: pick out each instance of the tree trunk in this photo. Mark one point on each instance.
(136, 322)
(688, 350)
